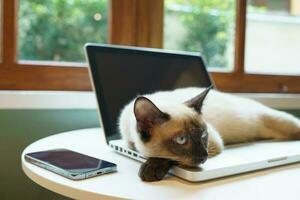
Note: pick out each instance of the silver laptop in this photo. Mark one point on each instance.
(120, 73)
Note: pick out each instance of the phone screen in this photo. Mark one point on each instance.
(70, 160)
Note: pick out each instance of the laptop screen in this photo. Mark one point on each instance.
(121, 73)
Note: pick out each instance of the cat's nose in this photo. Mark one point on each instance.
(199, 160)
(203, 159)
(203, 156)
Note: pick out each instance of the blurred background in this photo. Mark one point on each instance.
(48, 30)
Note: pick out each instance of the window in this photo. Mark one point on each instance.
(57, 30)
(233, 36)
(272, 37)
(255, 43)
(16, 74)
(202, 26)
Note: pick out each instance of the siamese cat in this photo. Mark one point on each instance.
(188, 125)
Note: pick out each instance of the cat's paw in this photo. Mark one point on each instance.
(215, 142)
(154, 169)
(214, 148)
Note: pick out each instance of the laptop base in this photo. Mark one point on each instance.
(233, 160)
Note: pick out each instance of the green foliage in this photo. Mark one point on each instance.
(209, 25)
(58, 29)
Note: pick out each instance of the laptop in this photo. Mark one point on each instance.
(120, 73)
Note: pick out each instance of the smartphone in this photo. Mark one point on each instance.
(70, 164)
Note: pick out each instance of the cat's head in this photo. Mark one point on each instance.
(178, 133)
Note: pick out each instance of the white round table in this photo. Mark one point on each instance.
(278, 183)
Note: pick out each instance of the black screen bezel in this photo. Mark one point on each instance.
(91, 49)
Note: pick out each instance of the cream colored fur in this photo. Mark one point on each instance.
(230, 119)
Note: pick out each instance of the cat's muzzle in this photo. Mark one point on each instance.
(194, 162)
(199, 160)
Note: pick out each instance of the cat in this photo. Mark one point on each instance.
(188, 125)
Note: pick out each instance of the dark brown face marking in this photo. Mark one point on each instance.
(195, 149)
(144, 134)
(183, 140)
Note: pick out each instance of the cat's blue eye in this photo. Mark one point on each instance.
(181, 140)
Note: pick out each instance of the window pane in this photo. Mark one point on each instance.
(273, 37)
(202, 25)
(56, 30)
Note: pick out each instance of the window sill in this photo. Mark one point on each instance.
(47, 100)
(87, 100)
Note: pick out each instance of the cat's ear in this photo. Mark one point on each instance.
(147, 114)
(197, 102)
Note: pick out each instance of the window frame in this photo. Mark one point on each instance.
(34, 75)
(131, 22)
